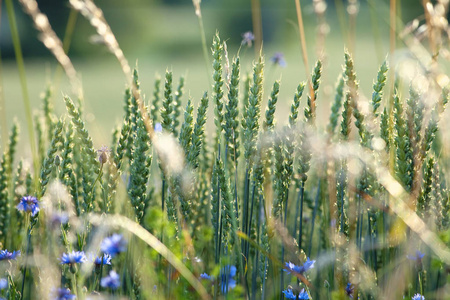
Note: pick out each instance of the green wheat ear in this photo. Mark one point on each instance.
(231, 125)
(269, 123)
(156, 100)
(49, 161)
(217, 95)
(187, 128)
(167, 106)
(177, 106)
(334, 116)
(198, 139)
(250, 123)
(378, 86)
(311, 105)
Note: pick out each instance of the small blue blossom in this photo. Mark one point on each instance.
(290, 267)
(227, 282)
(303, 295)
(105, 260)
(288, 294)
(57, 219)
(206, 276)
(62, 294)
(418, 297)
(349, 290)
(278, 59)
(114, 244)
(247, 38)
(3, 283)
(111, 281)
(6, 255)
(29, 204)
(75, 257)
(417, 257)
(158, 127)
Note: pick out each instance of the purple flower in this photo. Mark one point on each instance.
(103, 154)
(158, 127)
(57, 219)
(349, 290)
(6, 255)
(3, 283)
(418, 297)
(114, 244)
(417, 257)
(75, 257)
(62, 294)
(290, 267)
(29, 204)
(206, 277)
(111, 281)
(247, 38)
(278, 59)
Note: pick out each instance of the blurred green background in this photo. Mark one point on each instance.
(165, 34)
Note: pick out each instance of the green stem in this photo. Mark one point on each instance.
(23, 83)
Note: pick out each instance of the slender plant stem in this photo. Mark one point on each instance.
(198, 12)
(257, 26)
(23, 83)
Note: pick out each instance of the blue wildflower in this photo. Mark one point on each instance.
(349, 290)
(290, 267)
(58, 219)
(29, 204)
(288, 294)
(227, 282)
(111, 281)
(247, 38)
(278, 59)
(105, 260)
(158, 127)
(62, 294)
(6, 255)
(114, 244)
(3, 283)
(206, 276)
(75, 257)
(417, 257)
(418, 297)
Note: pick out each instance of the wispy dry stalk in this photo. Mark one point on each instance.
(52, 42)
(95, 16)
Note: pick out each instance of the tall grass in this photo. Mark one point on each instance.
(308, 211)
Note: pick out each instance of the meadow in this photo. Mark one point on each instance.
(259, 176)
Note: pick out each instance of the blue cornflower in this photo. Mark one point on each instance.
(289, 294)
(418, 297)
(114, 244)
(417, 257)
(227, 278)
(3, 283)
(62, 294)
(105, 260)
(6, 255)
(278, 59)
(206, 276)
(158, 127)
(57, 219)
(111, 281)
(290, 267)
(75, 257)
(349, 290)
(29, 204)
(247, 38)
